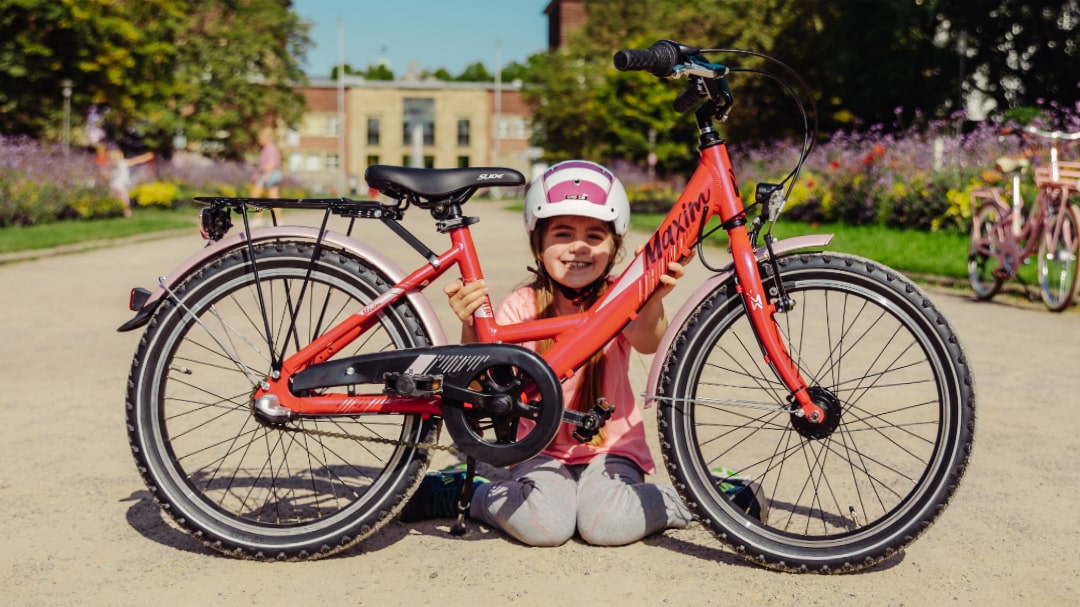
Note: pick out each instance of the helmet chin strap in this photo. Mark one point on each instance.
(577, 297)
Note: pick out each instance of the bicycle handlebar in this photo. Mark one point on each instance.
(1051, 135)
(659, 59)
(670, 59)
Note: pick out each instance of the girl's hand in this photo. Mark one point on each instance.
(646, 331)
(465, 298)
(669, 280)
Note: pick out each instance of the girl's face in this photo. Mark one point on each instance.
(576, 250)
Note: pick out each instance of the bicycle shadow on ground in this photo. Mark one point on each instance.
(1010, 297)
(146, 518)
(698, 543)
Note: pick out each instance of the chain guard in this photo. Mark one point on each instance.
(487, 391)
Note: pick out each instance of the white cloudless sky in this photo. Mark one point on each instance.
(450, 34)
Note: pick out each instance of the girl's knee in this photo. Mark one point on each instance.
(609, 535)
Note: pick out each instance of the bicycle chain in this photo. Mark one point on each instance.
(372, 439)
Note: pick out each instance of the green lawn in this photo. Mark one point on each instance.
(937, 254)
(941, 254)
(47, 236)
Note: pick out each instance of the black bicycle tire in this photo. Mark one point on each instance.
(983, 290)
(154, 440)
(1051, 302)
(697, 437)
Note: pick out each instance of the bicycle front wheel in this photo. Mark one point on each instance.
(1059, 250)
(239, 483)
(832, 497)
(984, 266)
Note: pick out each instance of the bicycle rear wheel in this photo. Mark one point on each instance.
(984, 267)
(241, 484)
(1059, 251)
(833, 497)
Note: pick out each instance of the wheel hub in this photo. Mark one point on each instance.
(830, 404)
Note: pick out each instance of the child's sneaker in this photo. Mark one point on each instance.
(437, 495)
(746, 495)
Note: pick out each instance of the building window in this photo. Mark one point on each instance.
(313, 162)
(372, 159)
(333, 126)
(463, 132)
(429, 161)
(296, 162)
(463, 162)
(419, 120)
(373, 131)
(511, 128)
(333, 161)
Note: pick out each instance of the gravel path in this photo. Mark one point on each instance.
(80, 528)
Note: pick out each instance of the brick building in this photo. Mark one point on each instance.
(414, 122)
(406, 122)
(564, 16)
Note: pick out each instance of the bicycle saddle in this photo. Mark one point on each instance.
(398, 181)
(1008, 165)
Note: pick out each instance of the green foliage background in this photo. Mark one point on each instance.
(213, 71)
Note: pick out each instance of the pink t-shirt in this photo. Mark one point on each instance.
(625, 430)
(269, 158)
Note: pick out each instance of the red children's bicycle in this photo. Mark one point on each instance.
(291, 382)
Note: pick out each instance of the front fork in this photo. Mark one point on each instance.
(760, 310)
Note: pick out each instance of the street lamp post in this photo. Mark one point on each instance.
(66, 84)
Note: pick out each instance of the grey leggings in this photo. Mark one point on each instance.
(606, 501)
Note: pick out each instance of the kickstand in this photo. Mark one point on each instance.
(464, 498)
(1032, 297)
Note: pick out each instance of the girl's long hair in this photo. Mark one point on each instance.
(591, 386)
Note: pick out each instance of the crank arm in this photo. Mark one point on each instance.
(589, 423)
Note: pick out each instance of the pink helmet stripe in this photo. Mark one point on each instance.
(585, 190)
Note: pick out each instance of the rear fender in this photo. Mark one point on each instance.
(780, 247)
(332, 240)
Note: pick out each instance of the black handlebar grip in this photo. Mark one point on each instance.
(659, 59)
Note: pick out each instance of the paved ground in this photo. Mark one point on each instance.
(78, 526)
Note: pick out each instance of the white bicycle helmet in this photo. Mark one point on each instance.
(578, 187)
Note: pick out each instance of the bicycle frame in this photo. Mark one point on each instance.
(1019, 234)
(711, 192)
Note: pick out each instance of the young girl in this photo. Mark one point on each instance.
(120, 175)
(267, 178)
(576, 217)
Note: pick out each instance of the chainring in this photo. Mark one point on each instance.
(519, 413)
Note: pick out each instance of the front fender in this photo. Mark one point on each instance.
(780, 247)
(334, 240)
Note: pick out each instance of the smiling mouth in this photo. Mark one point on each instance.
(577, 265)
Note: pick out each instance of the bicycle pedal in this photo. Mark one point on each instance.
(409, 384)
(589, 424)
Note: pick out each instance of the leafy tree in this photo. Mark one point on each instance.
(868, 60)
(585, 108)
(345, 67)
(1017, 52)
(212, 70)
(475, 72)
(378, 71)
(442, 74)
(515, 71)
(111, 56)
(240, 75)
